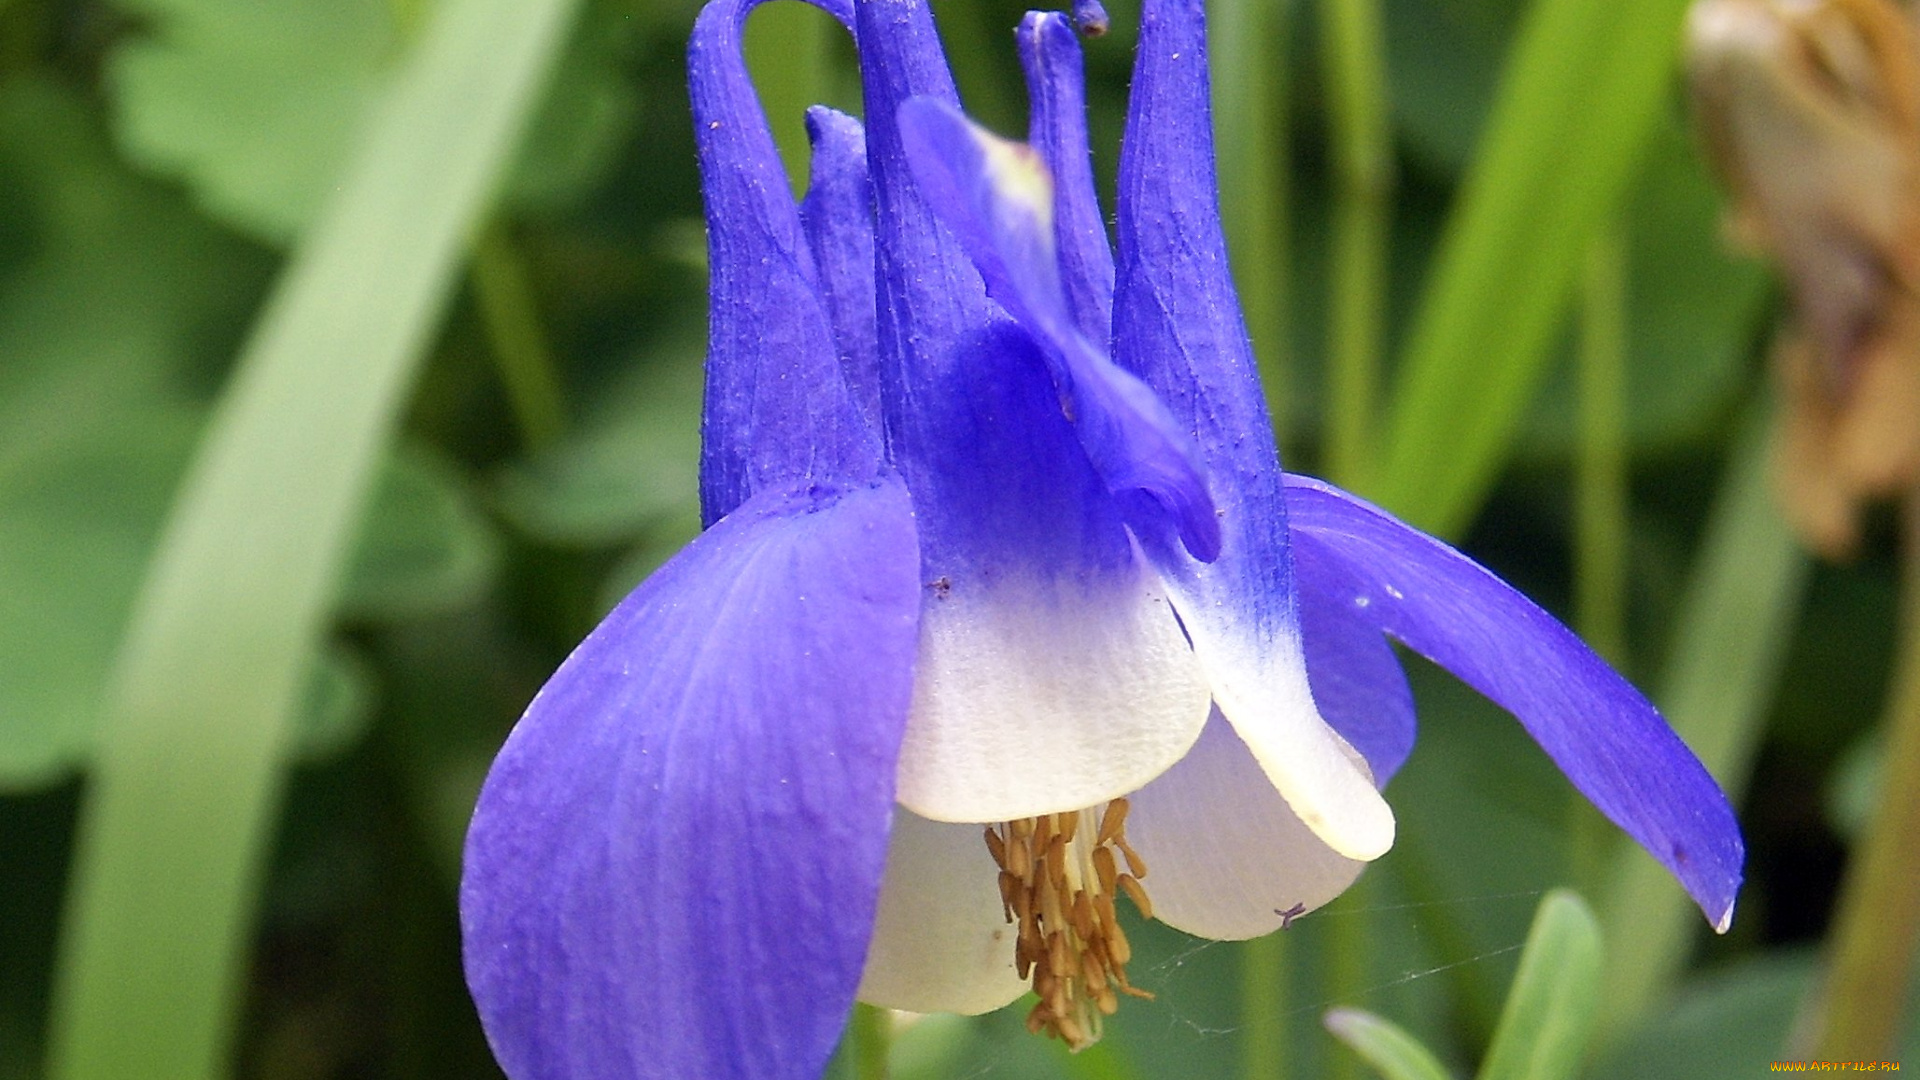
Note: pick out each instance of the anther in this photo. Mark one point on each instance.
(1059, 876)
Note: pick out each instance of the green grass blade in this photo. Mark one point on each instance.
(1732, 633)
(1385, 1045)
(1584, 84)
(1353, 55)
(189, 767)
(1555, 999)
(1252, 116)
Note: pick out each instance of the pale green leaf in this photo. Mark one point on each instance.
(180, 803)
(1390, 1049)
(1555, 999)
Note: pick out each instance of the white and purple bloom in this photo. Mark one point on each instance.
(998, 540)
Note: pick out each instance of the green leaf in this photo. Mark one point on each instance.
(1393, 1053)
(78, 518)
(1583, 87)
(81, 510)
(116, 288)
(1692, 311)
(425, 546)
(336, 708)
(630, 464)
(257, 106)
(1730, 1023)
(188, 773)
(254, 105)
(585, 120)
(1555, 999)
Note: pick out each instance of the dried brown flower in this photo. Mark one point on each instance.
(1810, 110)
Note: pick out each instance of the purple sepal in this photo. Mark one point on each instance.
(1357, 681)
(997, 198)
(776, 407)
(1600, 731)
(675, 861)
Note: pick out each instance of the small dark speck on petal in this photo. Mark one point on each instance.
(1680, 854)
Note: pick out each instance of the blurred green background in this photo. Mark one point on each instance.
(260, 637)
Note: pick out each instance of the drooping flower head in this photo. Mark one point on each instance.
(1005, 610)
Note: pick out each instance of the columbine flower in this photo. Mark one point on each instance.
(1811, 112)
(994, 620)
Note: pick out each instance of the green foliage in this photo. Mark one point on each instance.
(257, 107)
(1393, 1053)
(1555, 999)
(188, 766)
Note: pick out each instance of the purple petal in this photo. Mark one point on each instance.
(1057, 128)
(1043, 628)
(838, 216)
(997, 198)
(674, 865)
(776, 407)
(1606, 737)
(1357, 680)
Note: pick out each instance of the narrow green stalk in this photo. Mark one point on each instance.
(1252, 123)
(1732, 629)
(1600, 484)
(1878, 923)
(188, 766)
(1349, 958)
(1354, 57)
(1585, 82)
(503, 289)
(786, 46)
(1600, 564)
(872, 1031)
(1263, 1008)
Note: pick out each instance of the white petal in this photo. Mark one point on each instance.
(1034, 697)
(1225, 854)
(941, 942)
(1259, 682)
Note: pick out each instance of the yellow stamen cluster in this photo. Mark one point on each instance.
(1059, 875)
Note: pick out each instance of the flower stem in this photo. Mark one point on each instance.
(871, 1031)
(1252, 127)
(1263, 1008)
(1601, 556)
(1878, 923)
(503, 290)
(1353, 56)
(1600, 482)
(1349, 955)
